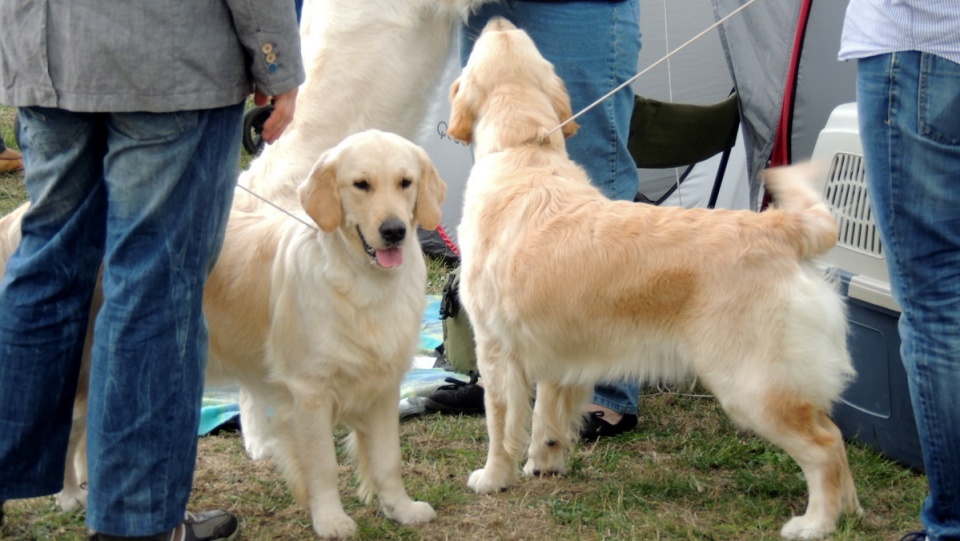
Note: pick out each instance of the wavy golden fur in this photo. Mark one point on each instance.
(565, 287)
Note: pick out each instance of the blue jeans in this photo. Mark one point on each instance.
(148, 196)
(594, 48)
(909, 111)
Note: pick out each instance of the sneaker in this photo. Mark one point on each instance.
(458, 397)
(595, 426)
(206, 526)
(915, 536)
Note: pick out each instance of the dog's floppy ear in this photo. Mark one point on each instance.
(319, 195)
(461, 116)
(561, 105)
(432, 191)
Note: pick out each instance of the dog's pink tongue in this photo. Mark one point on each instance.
(392, 257)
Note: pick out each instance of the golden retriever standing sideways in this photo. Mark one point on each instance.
(564, 287)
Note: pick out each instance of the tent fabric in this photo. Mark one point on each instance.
(782, 56)
(758, 44)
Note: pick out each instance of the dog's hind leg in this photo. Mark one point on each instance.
(73, 497)
(808, 435)
(375, 445)
(557, 416)
(507, 403)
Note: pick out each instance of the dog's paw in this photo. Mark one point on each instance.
(70, 500)
(334, 526)
(803, 527)
(536, 468)
(483, 481)
(411, 512)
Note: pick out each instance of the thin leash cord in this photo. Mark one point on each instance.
(651, 66)
(274, 205)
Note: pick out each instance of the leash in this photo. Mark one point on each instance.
(651, 66)
(274, 205)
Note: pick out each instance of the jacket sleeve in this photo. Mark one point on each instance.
(268, 31)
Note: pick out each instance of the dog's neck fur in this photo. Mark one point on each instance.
(507, 122)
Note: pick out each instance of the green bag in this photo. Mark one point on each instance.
(459, 347)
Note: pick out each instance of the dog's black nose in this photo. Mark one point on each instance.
(393, 230)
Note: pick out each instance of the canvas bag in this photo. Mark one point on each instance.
(459, 347)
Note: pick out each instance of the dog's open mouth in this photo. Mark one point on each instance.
(385, 257)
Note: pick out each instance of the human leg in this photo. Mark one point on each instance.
(45, 297)
(909, 111)
(170, 181)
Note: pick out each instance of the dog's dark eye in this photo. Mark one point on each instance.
(406, 183)
(362, 185)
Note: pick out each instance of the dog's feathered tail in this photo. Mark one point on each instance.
(814, 228)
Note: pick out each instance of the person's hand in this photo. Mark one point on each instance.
(283, 108)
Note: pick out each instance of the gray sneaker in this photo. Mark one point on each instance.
(206, 526)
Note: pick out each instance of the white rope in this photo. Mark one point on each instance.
(274, 205)
(651, 66)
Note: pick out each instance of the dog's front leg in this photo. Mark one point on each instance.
(315, 464)
(377, 451)
(507, 403)
(556, 418)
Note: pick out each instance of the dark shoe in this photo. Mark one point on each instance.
(206, 526)
(458, 397)
(915, 536)
(595, 426)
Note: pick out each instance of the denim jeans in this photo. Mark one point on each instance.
(146, 194)
(594, 48)
(909, 114)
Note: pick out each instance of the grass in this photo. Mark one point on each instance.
(686, 473)
(12, 192)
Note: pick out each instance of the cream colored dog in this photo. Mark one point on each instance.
(318, 324)
(368, 65)
(321, 325)
(565, 287)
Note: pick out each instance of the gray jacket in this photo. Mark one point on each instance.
(146, 55)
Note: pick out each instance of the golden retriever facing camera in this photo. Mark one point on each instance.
(319, 326)
(565, 287)
(317, 316)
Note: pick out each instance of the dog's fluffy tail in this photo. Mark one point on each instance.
(814, 230)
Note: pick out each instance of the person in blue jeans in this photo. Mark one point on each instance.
(908, 103)
(594, 46)
(130, 129)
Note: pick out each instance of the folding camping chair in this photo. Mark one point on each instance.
(668, 135)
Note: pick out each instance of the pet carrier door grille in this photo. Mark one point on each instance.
(846, 193)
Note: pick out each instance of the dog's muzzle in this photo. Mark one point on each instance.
(393, 232)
